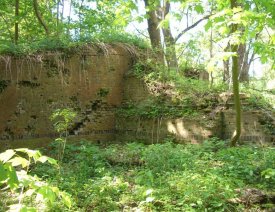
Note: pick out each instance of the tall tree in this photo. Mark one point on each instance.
(235, 75)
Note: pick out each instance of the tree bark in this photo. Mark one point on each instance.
(16, 25)
(171, 55)
(243, 63)
(235, 72)
(39, 17)
(154, 31)
(247, 54)
(153, 23)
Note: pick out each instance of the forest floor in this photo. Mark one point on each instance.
(162, 177)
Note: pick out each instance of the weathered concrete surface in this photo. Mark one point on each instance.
(89, 79)
(158, 129)
(219, 124)
(94, 80)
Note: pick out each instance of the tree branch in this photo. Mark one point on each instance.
(192, 26)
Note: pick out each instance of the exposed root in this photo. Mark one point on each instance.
(132, 50)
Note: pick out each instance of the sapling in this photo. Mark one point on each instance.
(63, 119)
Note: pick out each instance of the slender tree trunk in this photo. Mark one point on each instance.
(39, 17)
(16, 25)
(171, 55)
(235, 72)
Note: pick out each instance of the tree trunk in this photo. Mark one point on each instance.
(247, 54)
(243, 63)
(226, 67)
(153, 23)
(39, 17)
(170, 44)
(235, 72)
(154, 31)
(16, 25)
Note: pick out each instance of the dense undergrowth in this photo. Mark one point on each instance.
(160, 177)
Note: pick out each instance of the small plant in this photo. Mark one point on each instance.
(63, 119)
(14, 176)
(268, 173)
(103, 92)
(3, 85)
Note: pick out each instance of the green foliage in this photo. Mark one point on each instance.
(171, 157)
(47, 44)
(65, 44)
(259, 98)
(173, 95)
(268, 173)
(153, 108)
(3, 85)
(63, 120)
(130, 154)
(103, 92)
(119, 37)
(161, 177)
(258, 101)
(14, 168)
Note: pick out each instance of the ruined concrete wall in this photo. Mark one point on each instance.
(134, 89)
(196, 130)
(154, 130)
(94, 81)
(88, 79)
(254, 129)
(193, 130)
(158, 129)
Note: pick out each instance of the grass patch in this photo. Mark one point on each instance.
(65, 44)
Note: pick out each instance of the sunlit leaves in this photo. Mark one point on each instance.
(165, 22)
(5, 156)
(124, 13)
(63, 118)
(31, 185)
(8, 175)
(199, 9)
